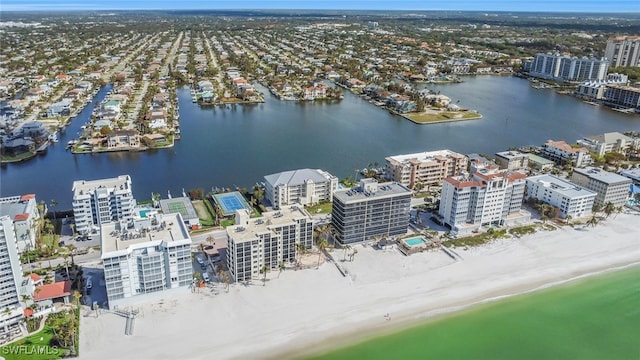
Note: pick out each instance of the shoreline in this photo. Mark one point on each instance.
(303, 313)
(406, 322)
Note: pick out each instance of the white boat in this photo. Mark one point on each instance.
(53, 137)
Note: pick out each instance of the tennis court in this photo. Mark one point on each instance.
(230, 202)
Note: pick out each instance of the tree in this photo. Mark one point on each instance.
(264, 270)
(353, 254)
(608, 209)
(281, 268)
(321, 244)
(346, 248)
(72, 250)
(53, 205)
(593, 221)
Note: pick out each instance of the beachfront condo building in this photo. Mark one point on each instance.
(269, 240)
(610, 187)
(425, 168)
(610, 142)
(303, 186)
(571, 199)
(623, 50)
(370, 210)
(145, 255)
(99, 202)
(564, 68)
(560, 152)
(485, 198)
(11, 280)
(23, 210)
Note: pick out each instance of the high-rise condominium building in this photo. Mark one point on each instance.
(304, 186)
(487, 197)
(145, 255)
(425, 168)
(370, 210)
(99, 202)
(623, 51)
(269, 240)
(610, 187)
(10, 278)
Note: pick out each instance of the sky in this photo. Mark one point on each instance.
(594, 6)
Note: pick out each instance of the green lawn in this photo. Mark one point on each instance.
(595, 318)
(322, 208)
(425, 118)
(34, 347)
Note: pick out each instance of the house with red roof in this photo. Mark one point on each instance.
(55, 291)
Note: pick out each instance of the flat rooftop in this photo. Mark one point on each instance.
(166, 228)
(384, 190)
(601, 175)
(562, 186)
(84, 186)
(425, 156)
(268, 220)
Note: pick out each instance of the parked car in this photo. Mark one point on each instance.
(206, 277)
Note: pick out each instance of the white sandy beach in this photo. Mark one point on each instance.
(303, 311)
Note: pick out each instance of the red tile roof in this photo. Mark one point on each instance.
(35, 277)
(27, 197)
(52, 291)
(21, 217)
(28, 312)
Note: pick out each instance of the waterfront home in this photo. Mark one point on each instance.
(610, 142)
(61, 108)
(18, 146)
(128, 139)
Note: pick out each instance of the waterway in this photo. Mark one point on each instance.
(239, 145)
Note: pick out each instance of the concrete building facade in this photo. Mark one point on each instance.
(370, 210)
(24, 212)
(304, 186)
(99, 202)
(610, 187)
(10, 279)
(269, 240)
(145, 255)
(623, 51)
(512, 160)
(571, 199)
(486, 197)
(560, 152)
(426, 168)
(610, 142)
(564, 68)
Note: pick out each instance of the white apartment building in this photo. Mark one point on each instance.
(145, 255)
(571, 199)
(610, 187)
(10, 280)
(425, 168)
(487, 197)
(24, 212)
(303, 186)
(564, 68)
(560, 152)
(610, 142)
(99, 202)
(623, 51)
(266, 241)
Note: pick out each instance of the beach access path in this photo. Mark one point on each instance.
(301, 312)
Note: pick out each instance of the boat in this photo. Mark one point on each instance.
(53, 137)
(624, 110)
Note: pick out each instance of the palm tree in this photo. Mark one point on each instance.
(346, 248)
(593, 221)
(321, 244)
(264, 270)
(76, 297)
(355, 251)
(568, 219)
(618, 210)
(609, 209)
(53, 205)
(72, 250)
(225, 277)
(281, 268)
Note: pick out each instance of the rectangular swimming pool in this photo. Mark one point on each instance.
(414, 241)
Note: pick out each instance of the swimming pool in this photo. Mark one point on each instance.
(414, 241)
(143, 213)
